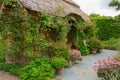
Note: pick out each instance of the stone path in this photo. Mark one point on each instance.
(84, 70)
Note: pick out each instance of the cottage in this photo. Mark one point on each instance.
(61, 8)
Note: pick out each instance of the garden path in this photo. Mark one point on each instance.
(84, 70)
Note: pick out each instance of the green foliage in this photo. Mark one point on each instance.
(39, 69)
(94, 43)
(11, 68)
(118, 46)
(108, 27)
(112, 43)
(58, 62)
(114, 74)
(90, 30)
(83, 48)
(115, 3)
(2, 54)
(57, 26)
(79, 25)
(81, 30)
(60, 49)
(28, 33)
(10, 3)
(22, 31)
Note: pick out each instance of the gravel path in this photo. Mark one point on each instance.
(84, 70)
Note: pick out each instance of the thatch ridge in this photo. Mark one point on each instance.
(57, 7)
(72, 3)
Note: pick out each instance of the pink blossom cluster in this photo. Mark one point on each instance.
(105, 63)
(75, 52)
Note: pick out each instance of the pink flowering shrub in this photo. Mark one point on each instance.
(108, 69)
(106, 63)
(75, 55)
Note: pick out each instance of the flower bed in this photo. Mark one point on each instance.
(108, 69)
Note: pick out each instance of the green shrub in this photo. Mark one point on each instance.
(108, 28)
(83, 49)
(58, 62)
(111, 44)
(94, 43)
(11, 68)
(39, 69)
(60, 49)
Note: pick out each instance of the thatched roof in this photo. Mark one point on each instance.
(59, 7)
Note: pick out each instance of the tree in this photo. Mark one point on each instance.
(115, 3)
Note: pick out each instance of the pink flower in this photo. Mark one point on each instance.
(75, 52)
(104, 60)
(108, 58)
(106, 63)
(100, 61)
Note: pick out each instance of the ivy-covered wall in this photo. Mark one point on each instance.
(29, 35)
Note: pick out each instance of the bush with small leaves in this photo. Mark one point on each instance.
(39, 69)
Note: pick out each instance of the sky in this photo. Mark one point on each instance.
(97, 6)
